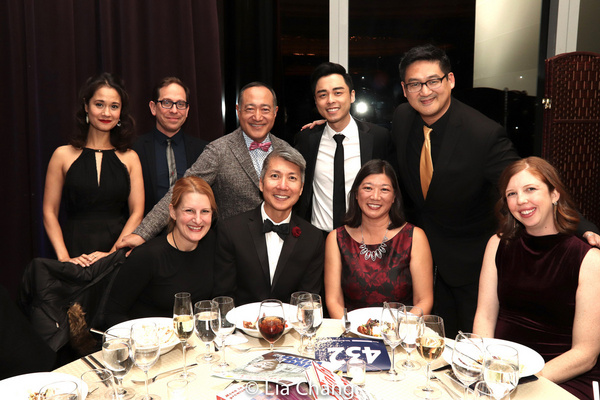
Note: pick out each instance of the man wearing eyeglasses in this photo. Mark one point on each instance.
(449, 183)
(167, 152)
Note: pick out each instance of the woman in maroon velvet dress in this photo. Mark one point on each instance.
(539, 283)
(377, 256)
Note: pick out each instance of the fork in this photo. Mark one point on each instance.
(247, 349)
(151, 380)
(346, 323)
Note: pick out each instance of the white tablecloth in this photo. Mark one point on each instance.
(206, 386)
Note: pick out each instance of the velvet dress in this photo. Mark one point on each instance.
(537, 283)
(367, 283)
(96, 212)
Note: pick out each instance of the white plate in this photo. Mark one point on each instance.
(249, 312)
(21, 386)
(170, 339)
(360, 317)
(531, 361)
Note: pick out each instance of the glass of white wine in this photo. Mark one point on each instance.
(117, 355)
(145, 344)
(205, 312)
(183, 323)
(467, 359)
(501, 370)
(392, 319)
(430, 344)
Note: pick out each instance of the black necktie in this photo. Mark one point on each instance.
(282, 229)
(339, 183)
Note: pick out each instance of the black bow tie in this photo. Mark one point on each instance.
(282, 229)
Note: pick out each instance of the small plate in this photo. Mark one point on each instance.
(21, 386)
(531, 362)
(360, 317)
(249, 312)
(168, 335)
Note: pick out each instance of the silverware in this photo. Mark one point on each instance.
(447, 388)
(92, 366)
(98, 363)
(247, 349)
(346, 322)
(464, 354)
(151, 380)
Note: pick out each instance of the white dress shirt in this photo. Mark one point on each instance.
(322, 201)
(274, 242)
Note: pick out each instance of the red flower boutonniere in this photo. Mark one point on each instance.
(296, 231)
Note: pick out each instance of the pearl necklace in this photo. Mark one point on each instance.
(373, 254)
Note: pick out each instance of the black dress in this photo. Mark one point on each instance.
(96, 213)
(147, 282)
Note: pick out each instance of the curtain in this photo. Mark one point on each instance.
(49, 48)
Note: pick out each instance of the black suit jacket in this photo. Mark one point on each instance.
(242, 267)
(375, 142)
(144, 147)
(457, 215)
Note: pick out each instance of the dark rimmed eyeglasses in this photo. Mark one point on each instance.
(168, 104)
(414, 87)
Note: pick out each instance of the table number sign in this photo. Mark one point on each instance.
(338, 350)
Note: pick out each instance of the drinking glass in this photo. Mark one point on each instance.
(412, 315)
(392, 318)
(430, 344)
(100, 383)
(482, 391)
(293, 318)
(223, 326)
(145, 345)
(310, 312)
(467, 359)
(271, 320)
(62, 390)
(116, 351)
(501, 370)
(205, 312)
(183, 323)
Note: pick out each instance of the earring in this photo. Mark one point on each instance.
(555, 203)
(87, 120)
(119, 123)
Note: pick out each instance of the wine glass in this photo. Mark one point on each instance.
(430, 344)
(100, 383)
(145, 345)
(62, 390)
(223, 326)
(467, 359)
(413, 315)
(482, 391)
(116, 351)
(501, 370)
(205, 312)
(183, 322)
(310, 312)
(293, 318)
(392, 318)
(271, 320)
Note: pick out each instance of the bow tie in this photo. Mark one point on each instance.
(263, 146)
(282, 229)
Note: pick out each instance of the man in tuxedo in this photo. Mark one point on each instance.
(231, 165)
(449, 181)
(359, 143)
(269, 252)
(167, 141)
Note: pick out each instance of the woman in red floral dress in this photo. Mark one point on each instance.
(377, 256)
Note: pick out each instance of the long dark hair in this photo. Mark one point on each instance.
(353, 217)
(121, 137)
(566, 217)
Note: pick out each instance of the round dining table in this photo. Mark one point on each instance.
(206, 386)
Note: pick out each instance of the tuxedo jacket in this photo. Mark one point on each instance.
(242, 266)
(225, 164)
(144, 147)
(375, 143)
(457, 215)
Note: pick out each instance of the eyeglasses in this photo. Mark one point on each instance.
(414, 87)
(168, 104)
